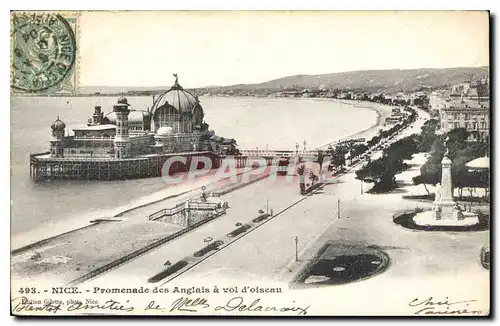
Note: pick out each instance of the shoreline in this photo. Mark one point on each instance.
(382, 111)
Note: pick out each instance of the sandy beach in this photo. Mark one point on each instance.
(382, 110)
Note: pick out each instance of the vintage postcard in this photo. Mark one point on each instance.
(250, 163)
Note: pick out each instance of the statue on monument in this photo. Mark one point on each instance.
(445, 210)
(176, 83)
(437, 200)
(446, 146)
(436, 209)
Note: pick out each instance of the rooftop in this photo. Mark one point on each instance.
(468, 105)
(97, 127)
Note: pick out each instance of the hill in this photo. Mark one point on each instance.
(367, 80)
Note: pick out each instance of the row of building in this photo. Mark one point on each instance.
(417, 98)
(465, 106)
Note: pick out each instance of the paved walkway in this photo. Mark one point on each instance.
(244, 205)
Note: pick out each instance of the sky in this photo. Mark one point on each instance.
(232, 47)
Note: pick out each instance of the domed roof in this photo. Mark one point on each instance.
(135, 116)
(58, 124)
(165, 131)
(122, 100)
(178, 97)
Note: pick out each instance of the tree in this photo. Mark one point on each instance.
(402, 149)
(383, 171)
(337, 155)
(461, 176)
(375, 140)
(301, 169)
(321, 158)
(354, 149)
(429, 174)
(376, 172)
(359, 149)
(460, 152)
(428, 135)
(457, 141)
(422, 102)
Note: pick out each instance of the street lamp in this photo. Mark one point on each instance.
(305, 143)
(203, 194)
(338, 208)
(296, 248)
(297, 148)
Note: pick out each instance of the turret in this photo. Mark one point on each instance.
(121, 141)
(97, 116)
(57, 140)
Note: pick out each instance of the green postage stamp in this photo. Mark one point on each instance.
(44, 52)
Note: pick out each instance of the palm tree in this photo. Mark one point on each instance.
(321, 158)
(300, 171)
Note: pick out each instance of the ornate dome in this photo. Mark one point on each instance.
(182, 100)
(165, 131)
(122, 100)
(58, 125)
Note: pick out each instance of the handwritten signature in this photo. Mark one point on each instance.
(111, 305)
(23, 304)
(234, 304)
(181, 304)
(433, 306)
(237, 303)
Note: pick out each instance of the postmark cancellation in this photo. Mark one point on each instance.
(44, 52)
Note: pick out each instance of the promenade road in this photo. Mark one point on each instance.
(443, 265)
(266, 251)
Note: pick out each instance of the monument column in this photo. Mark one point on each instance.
(446, 190)
(445, 211)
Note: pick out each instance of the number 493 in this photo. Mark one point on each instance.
(27, 290)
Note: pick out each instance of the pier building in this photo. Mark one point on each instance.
(129, 143)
